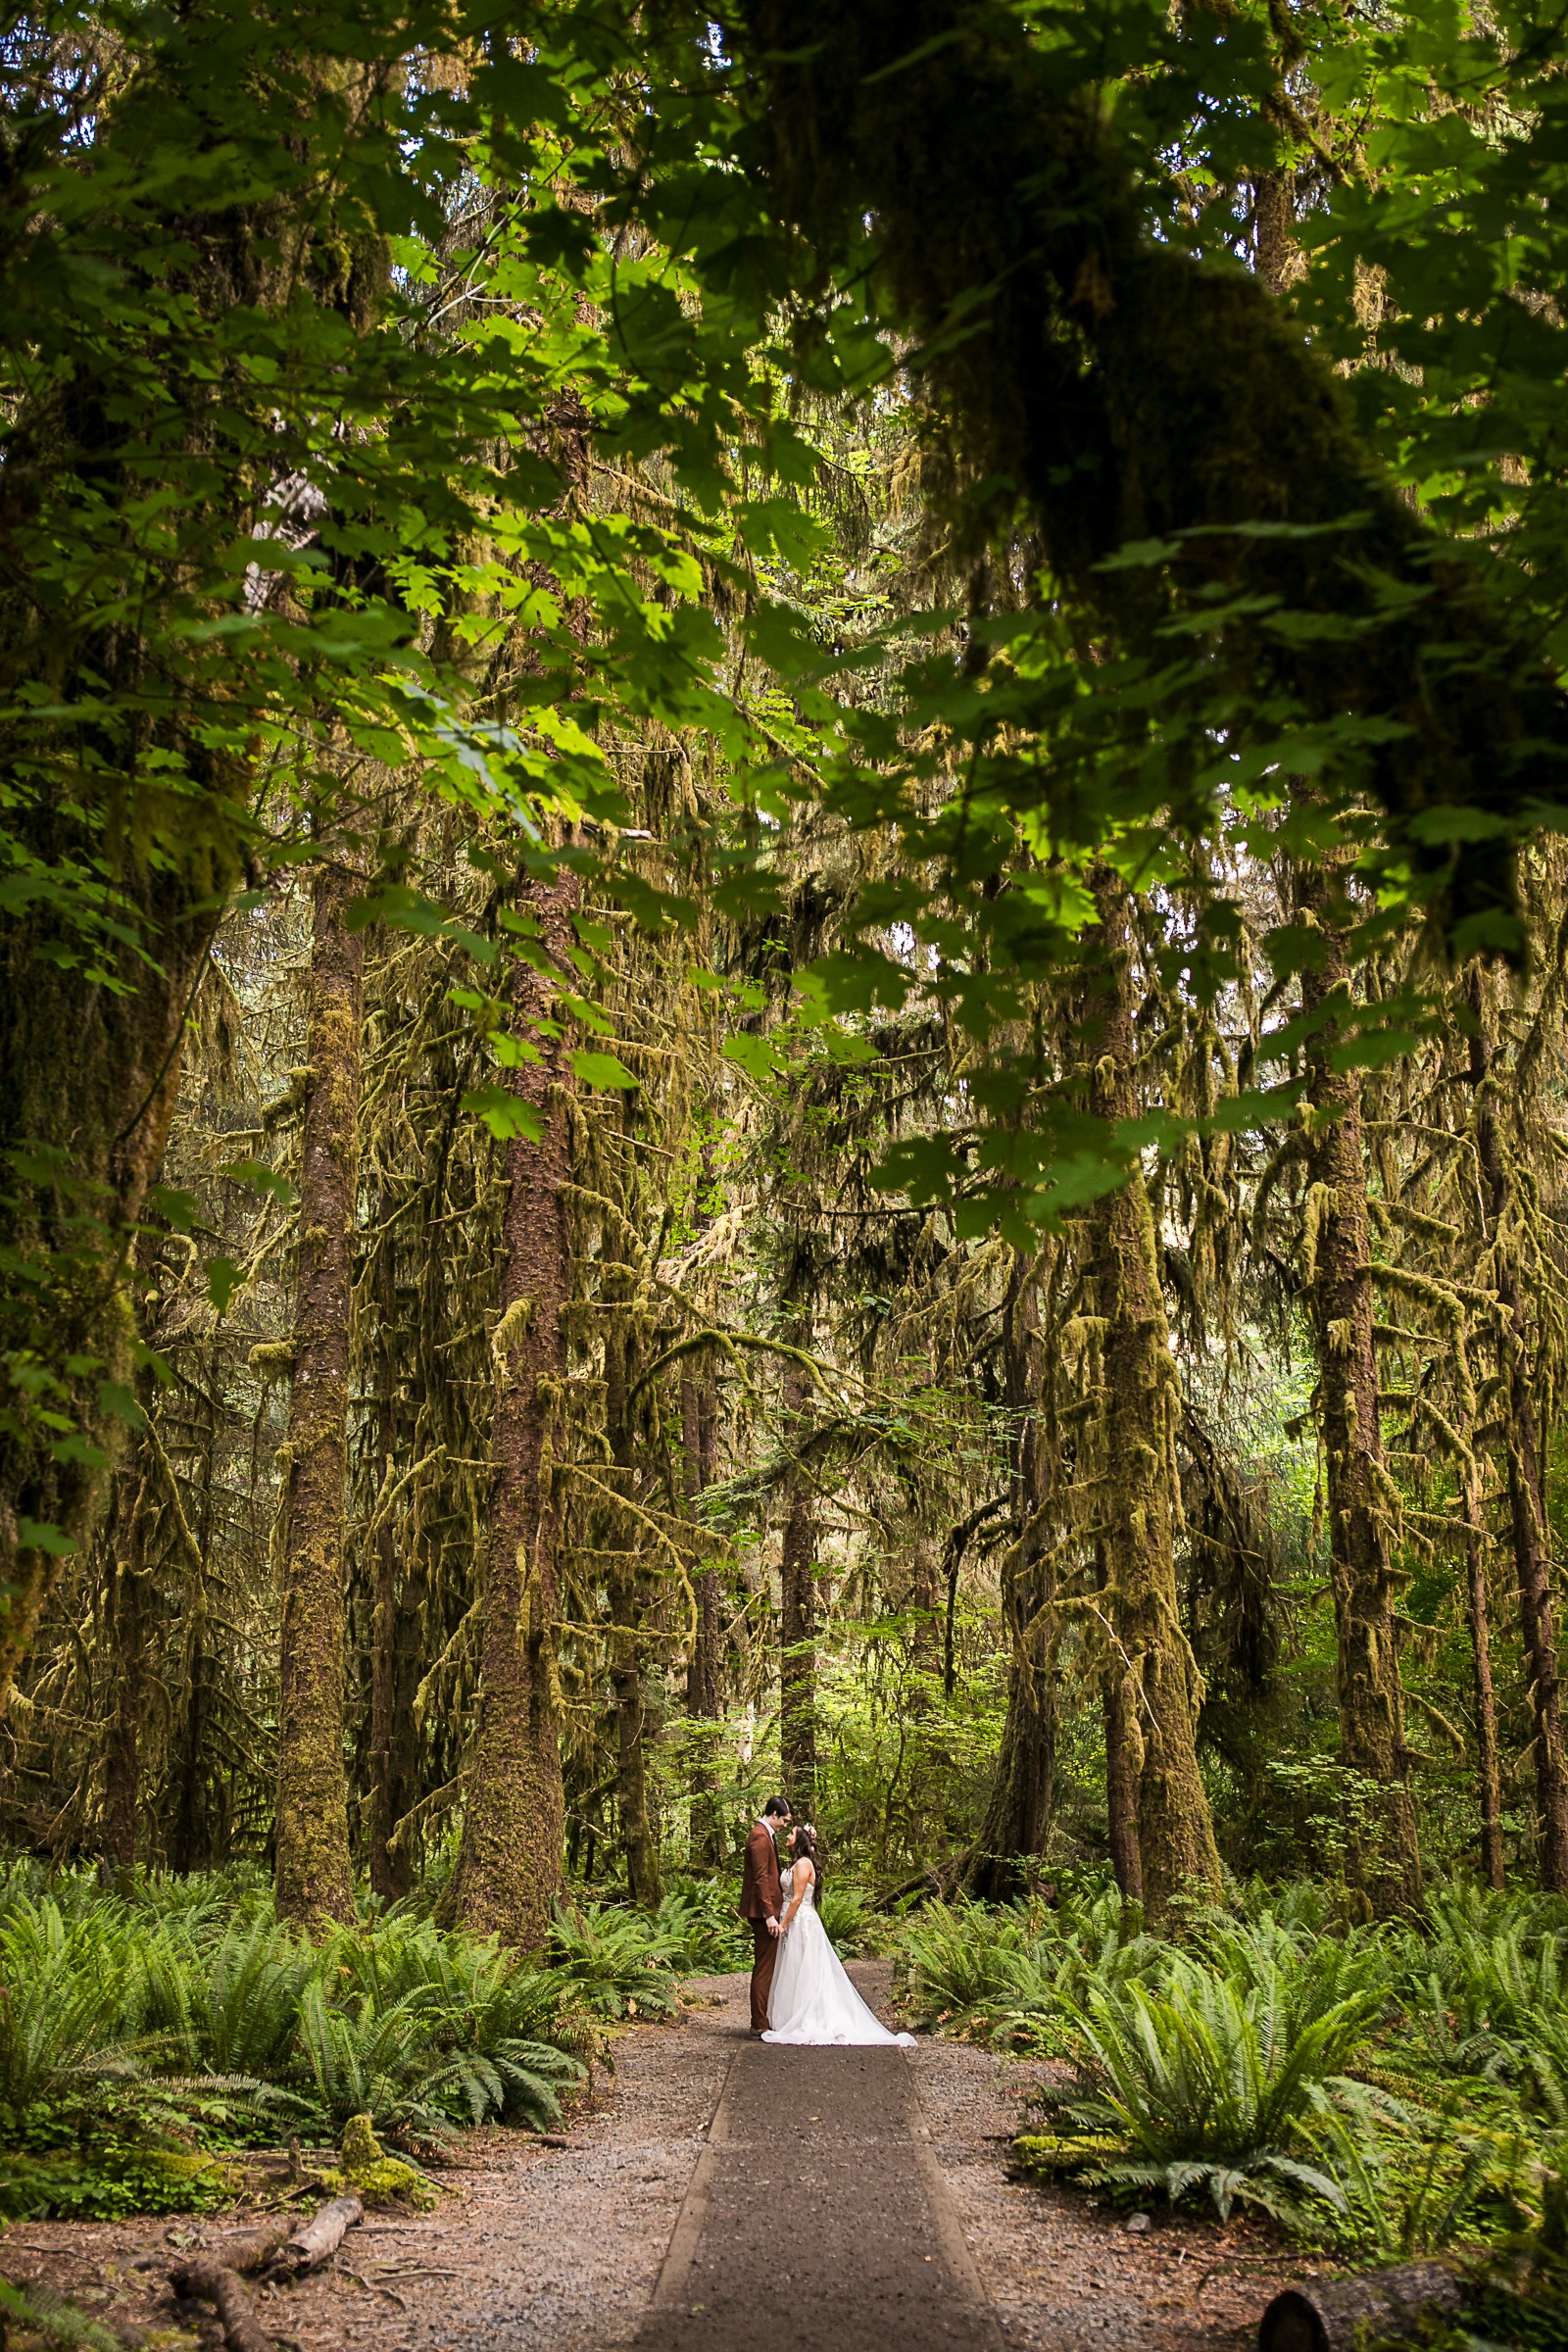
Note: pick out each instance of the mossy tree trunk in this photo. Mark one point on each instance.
(191, 1842)
(90, 1073)
(1121, 1791)
(1137, 1502)
(392, 1757)
(1126, 391)
(314, 1876)
(628, 1601)
(1526, 1492)
(643, 1880)
(797, 1721)
(1487, 1792)
(146, 794)
(926, 1630)
(699, 1423)
(125, 1626)
(1385, 1859)
(1017, 1816)
(510, 1853)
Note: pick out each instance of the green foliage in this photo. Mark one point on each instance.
(851, 1922)
(1014, 1974)
(615, 1960)
(55, 2321)
(1487, 1996)
(1387, 2092)
(141, 2040)
(63, 2000)
(699, 1927)
(1204, 2085)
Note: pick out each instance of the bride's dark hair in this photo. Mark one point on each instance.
(805, 1843)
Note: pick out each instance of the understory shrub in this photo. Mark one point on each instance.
(617, 1959)
(144, 2038)
(1383, 2091)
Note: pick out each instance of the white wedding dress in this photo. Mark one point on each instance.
(812, 1999)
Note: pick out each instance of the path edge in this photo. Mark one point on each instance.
(675, 2269)
(946, 2226)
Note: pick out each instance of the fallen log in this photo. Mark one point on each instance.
(1336, 2314)
(251, 2249)
(212, 2281)
(317, 2241)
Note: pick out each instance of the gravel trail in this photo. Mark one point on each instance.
(561, 2250)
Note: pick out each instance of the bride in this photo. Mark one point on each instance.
(812, 1999)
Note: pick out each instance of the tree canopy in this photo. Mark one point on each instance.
(784, 943)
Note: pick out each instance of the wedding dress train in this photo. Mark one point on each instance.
(812, 1999)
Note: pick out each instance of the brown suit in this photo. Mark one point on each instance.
(761, 1899)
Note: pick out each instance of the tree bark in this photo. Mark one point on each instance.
(394, 1625)
(627, 1599)
(796, 1719)
(315, 2242)
(510, 1856)
(99, 1066)
(632, 1758)
(315, 1879)
(211, 2282)
(1121, 1790)
(190, 1839)
(1385, 1860)
(1337, 2315)
(160, 816)
(698, 1422)
(1487, 1783)
(926, 1632)
(125, 1615)
(1526, 1491)
(1139, 1499)
(1017, 1816)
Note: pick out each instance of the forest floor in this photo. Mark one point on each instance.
(891, 2222)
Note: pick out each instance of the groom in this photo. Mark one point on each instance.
(761, 1900)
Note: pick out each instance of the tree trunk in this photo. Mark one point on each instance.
(1384, 1855)
(1526, 1492)
(155, 821)
(1121, 1793)
(796, 1716)
(699, 1423)
(1017, 1817)
(125, 1614)
(509, 1858)
(315, 1879)
(1487, 1784)
(627, 1601)
(1139, 1495)
(90, 1073)
(190, 1839)
(394, 1626)
(926, 1631)
(1339, 2315)
(631, 1760)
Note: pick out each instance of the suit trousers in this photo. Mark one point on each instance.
(761, 1973)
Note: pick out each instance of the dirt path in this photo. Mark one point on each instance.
(826, 2181)
(818, 2219)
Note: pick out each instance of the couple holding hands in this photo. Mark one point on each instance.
(799, 1990)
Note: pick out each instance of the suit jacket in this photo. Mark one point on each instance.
(761, 1895)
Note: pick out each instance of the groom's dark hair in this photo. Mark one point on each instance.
(775, 1804)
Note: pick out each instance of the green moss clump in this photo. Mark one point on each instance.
(379, 2183)
(1049, 2156)
(360, 2148)
(374, 2177)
